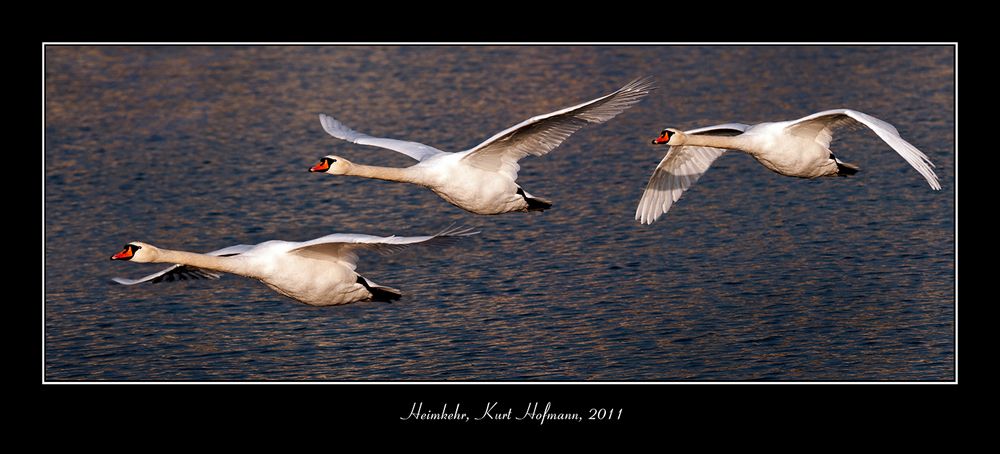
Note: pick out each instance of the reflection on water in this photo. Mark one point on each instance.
(751, 276)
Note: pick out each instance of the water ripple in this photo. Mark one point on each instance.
(751, 276)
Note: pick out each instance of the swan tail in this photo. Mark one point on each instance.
(844, 169)
(379, 292)
(534, 203)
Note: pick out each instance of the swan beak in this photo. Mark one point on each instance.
(125, 254)
(660, 140)
(323, 166)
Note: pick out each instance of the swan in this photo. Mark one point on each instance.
(319, 272)
(481, 180)
(797, 148)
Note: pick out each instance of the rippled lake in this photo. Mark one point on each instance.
(751, 275)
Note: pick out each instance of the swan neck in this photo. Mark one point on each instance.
(208, 262)
(405, 175)
(728, 142)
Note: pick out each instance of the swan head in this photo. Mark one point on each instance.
(136, 252)
(331, 164)
(670, 136)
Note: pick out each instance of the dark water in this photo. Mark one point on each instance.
(751, 276)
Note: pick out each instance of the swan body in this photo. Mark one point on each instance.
(319, 272)
(798, 148)
(482, 180)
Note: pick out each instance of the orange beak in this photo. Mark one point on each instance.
(323, 166)
(662, 139)
(125, 254)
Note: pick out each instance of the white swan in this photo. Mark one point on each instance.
(798, 148)
(318, 272)
(481, 179)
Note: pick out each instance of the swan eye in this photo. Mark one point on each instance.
(333, 161)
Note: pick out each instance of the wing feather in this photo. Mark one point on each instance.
(414, 150)
(678, 171)
(345, 246)
(541, 134)
(822, 125)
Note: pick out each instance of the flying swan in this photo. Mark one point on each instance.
(319, 272)
(481, 180)
(798, 148)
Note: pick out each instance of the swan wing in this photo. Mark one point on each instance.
(539, 135)
(345, 246)
(414, 150)
(678, 171)
(728, 129)
(821, 126)
(180, 272)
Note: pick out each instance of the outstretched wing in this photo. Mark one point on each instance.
(539, 135)
(344, 246)
(820, 126)
(414, 150)
(184, 272)
(679, 170)
(174, 273)
(727, 129)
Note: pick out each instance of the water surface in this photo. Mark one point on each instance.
(751, 276)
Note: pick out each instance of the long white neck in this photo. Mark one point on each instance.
(404, 175)
(209, 262)
(727, 142)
